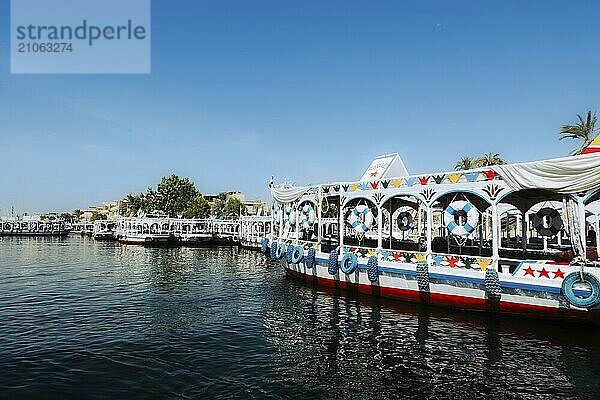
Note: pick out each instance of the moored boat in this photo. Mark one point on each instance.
(18, 227)
(513, 239)
(144, 231)
(104, 230)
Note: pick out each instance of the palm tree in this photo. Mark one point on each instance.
(585, 130)
(489, 159)
(464, 164)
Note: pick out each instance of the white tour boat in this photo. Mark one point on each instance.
(144, 230)
(513, 239)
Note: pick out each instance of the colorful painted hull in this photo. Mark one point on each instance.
(537, 297)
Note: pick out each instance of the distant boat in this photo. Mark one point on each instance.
(104, 230)
(18, 227)
(144, 231)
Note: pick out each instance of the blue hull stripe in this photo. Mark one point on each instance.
(511, 285)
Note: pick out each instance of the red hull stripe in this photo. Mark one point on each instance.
(454, 301)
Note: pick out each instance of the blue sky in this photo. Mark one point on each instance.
(310, 91)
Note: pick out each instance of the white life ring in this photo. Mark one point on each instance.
(289, 218)
(461, 218)
(361, 218)
(307, 216)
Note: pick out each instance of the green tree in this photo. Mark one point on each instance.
(172, 195)
(218, 204)
(489, 159)
(67, 217)
(465, 163)
(77, 214)
(198, 207)
(135, 203)
(96, 216)
(232, 207)
(585, 130)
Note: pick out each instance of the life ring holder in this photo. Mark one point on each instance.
(361, 225)
(289, 217)
(404, 221)
(307, 216)
(555, 223)
(467, 213)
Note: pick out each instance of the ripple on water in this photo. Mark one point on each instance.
(86, 319)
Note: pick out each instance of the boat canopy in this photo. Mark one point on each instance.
(287, 194)
(573, 174)
(547, 179)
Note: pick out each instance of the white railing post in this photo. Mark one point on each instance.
(495, 236)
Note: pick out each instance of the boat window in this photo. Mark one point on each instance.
(404, 224)
(462, 225)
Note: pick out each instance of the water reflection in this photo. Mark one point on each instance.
(96, 318)
(354, 344)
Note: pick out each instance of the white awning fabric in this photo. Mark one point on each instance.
(573, 174)
(284, 195)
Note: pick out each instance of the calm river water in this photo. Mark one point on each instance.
(85, 319)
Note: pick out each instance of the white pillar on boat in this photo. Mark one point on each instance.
(495, 235)
(523, 231)
(582, 230)
(297, 224)
(341, 218)
(419, 221)
(429, 229)
(319, 215)
(281, 220)
(379, 228)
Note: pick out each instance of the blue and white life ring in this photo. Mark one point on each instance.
(280, 251)
(289, 219)
(461, 218)
(307, 216)
(297, 254)
(361, 218)
(349, 263)
(264, 246)
(568, 290)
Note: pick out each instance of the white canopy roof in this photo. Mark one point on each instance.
(573, 174)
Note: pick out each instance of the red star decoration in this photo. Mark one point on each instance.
(543, 272)
(396, 256)
(374, 173)
(559, 274)
(529, 271)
